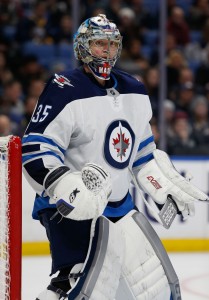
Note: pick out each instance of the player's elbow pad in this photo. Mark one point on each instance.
(158, 178)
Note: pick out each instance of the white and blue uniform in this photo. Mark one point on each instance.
(76, 121)
(79, 121)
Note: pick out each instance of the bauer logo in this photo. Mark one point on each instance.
(154, 182)
(119, 142)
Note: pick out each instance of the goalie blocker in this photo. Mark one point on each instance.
(160, 180)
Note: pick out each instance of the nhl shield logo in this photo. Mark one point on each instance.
(119, 142)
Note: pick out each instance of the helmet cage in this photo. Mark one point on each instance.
(96, 28)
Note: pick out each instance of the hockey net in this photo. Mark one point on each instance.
(10, 218)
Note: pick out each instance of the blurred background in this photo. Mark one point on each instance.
(36, 41)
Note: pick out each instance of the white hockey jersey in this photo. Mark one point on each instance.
(77, 121)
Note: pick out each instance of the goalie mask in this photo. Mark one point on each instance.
(98, 33)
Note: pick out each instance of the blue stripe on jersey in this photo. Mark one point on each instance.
(28, 157)
(30, 148)
(146, 142)
(37, 170)
(116, 82)
(41, 139)
(121, 210)
(143, 159)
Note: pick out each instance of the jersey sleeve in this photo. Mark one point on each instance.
(147, 144)
(48, 135)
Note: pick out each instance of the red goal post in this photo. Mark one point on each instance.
(10, 218)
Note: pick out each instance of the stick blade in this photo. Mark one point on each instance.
(168, 213)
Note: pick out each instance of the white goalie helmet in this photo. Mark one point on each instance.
(97, 28)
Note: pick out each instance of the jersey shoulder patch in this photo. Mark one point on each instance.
(61, 81)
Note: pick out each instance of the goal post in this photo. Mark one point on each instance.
(10, 218)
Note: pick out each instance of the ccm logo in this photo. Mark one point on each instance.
(154, 182)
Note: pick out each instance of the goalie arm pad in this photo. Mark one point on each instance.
(159, 179)
(82, 195)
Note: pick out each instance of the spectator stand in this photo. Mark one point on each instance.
(51, 55)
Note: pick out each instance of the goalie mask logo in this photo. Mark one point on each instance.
(119, 142)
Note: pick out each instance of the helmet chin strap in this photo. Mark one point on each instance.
(102, 70)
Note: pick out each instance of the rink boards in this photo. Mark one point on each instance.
(190, 235)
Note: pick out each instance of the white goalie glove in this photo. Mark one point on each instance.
(159, 179)
(83, 195)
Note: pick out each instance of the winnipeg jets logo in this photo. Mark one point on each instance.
(119, 142)
(73, 195)
(62, 80)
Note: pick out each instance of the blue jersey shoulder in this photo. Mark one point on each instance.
(61, 90)
(83, 86)
(68, 86)
(73, 85)
(55, 96)
(128, 84)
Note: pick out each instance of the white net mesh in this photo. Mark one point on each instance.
(4, 221)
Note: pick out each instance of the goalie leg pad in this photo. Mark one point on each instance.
(162, 255)
(48, 295)
(102, 267)
(147, 273)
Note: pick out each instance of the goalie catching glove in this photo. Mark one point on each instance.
(159, 179)
(83, 195)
